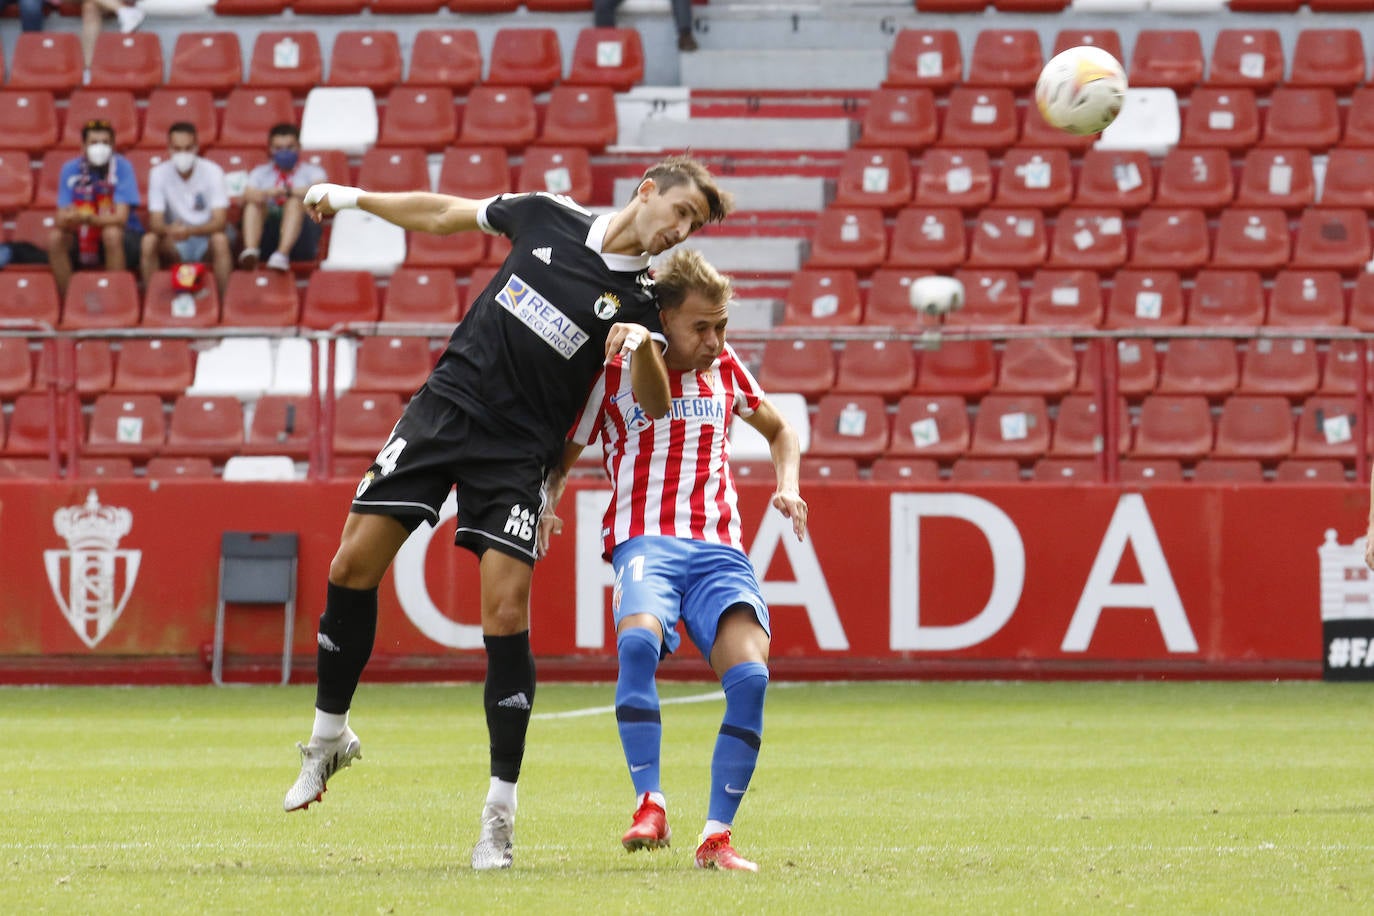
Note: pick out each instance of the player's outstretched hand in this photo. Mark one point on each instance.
(549, 525)
(323, 200)
(625, 338)
(791, 505)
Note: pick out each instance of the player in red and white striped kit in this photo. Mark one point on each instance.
(672, 533)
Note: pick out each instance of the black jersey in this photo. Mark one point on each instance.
(526, 353)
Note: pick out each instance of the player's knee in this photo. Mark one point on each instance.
(352, 568)
(505, 616)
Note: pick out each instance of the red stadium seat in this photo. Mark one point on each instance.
(889, 299)
(928, 237)
(1195, 178)
(116, 107)
(1121, 179)
(398, 364)
(45, 187)
(143, 160)
(1228, 118)
(1361, 302)
(337, 296)
(823, 297)
(1328, 57)
(100, 299)
(1011, 426)
(1309, 471)
(1177, 427)
(1332, 238)
(884, 368)
(1169, 58)
(1340, 371)
(608, 57)
(132, 63)
(177, 467)
(94, 369)
(985, 470)
(50, 61)
(1004, 237)
(983, 118)
(30, 120)
(261, 299)
(445, 58)
(31, 426)
(1302, 118)
(281, 425)
(370, 58)
(1349, 179)
(1108, 40)
(1228, 470)
(170, 106)
(165, 368)
(394, 169)
(327, 7)
(806, 367)
(460, 252)
(1043, 366)
(580, 116)
(207, 60)
(1065, 470)
(1078, 428)
(1145, 299)
(1248, 58)
(1150, 470)
(849, 239)
(29, 297)
(16, 181)
(250, 113)
(422, 295)
(1359, 119)
(925, 58)
(1170, 239)
(992, 296)
(288, 61)
(1286, 367)
(132, 425)
(164, 307)
(527, 57)
(954, 178)
(1307, 299)
(1227, 297)
(499, 116)
(962, 367)
(16, 367)
(899, 119)
(1006, 58)
(250, 7)
(1036, 132)
(1205, 366)
(1252, 239)
(1137, 368)
(1327, 428)
(483, 6)
(475, 172)
(829, 468)
(1255, 426)
(209, 426)
(905, 470)
(1280, 178)
(930, 427)
(404, 7)
(559, 170)
(363, 421)
(1035, 178)
(951, 6)
(1089, 238)
(874, 178)
(1064, 298)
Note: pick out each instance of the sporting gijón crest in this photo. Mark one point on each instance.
(92, 579)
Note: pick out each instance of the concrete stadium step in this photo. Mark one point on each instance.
(750, 254)
(783, 193)
(832, 134)
(812, 69)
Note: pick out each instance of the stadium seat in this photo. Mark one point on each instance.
(45, 187)
(1349, 179)
(340, 118)
(1280, 178)
(170, 106)
(30, 120)
(240, 366)
(460, 252)
(1228, 470)
(165, 368)
(1043, 366)
(954, 178)
(1005, 58)
(115, 468)
(927, 237)
(1359, 119)
(1254, 426)
(1361, 314)
(929, 427)
(1108, 40)
(1206, 366)
(1264, 6)
(499, 116)
(881, 367)
(1120, 179)
(874, 178)
(29, 297)
(1333, 58)
(100, 299)
(899, 119)
(16, 181)
(1285, 367)
(370, 58)
(445, 58)
(1295, 470)
(1011, 426)
(580, 116)
(1167, 58)
(16, 367)
(165, 307)
(281, 424)
(1089, 238)
(1064, 298)
(132, 62)
(419, 116)
(925, 58)
(1248, 58)
(339, 296)
(1037, 133)
(1327, 428)
(31, 426)
(849, 239)
(394, 169)
(1035, 178)
(951, 6)
(93, 369)
(1336, 238)
(475, 172)
(889, 300)
(132, 425)
(210, 426)
(143, 160)
(985, 470)
(1177, 427)
(1149, 120)
(289, 61)
(983, 118)
(1145, 299)
(363, 421)
(328, 7)
(1137, 368)
(1341, 368)
(963, 367)
(1135, 471)
(250, 7)
(49, 61)
(608, 57)
(1170, 239)
(897, 471)
(261, 299)
(428, 295)
(806, 367)
(1078, 430)
(396, 364)
(1306, 118)
(823, 297)
(529, 57)
(207, 60)
(1005, 237)
(1196, 178)
(179, 467)
(1065, 470)
(1252, 239)
(1307, 299)
(1227, 297)
(1226, 118)
(117, 107)
(250, 113)
(992, 296)
(364, 241)
(34, 224)
(829, 468)
(558, 170)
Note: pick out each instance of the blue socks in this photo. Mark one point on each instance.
(636, 706)
(737, 745)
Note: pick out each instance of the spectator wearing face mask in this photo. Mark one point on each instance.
(95, 224)
(273, 212)
(188, 208)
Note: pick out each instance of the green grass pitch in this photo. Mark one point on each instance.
(869, 798)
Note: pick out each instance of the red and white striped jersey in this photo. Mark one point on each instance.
(671, 476)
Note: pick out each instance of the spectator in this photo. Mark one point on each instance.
(92, 19)
(604, 12)
(96, 196)
(188, 209)
(30, 13)
(273, 215)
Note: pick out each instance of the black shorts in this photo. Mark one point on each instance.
(437, 446)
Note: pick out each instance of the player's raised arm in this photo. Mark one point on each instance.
(786, 453)
(418, 211)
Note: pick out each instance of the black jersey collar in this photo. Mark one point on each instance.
(596, 238)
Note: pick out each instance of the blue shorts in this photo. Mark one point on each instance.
(676, 578)
(193, 248)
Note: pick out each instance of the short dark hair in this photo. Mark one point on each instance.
(182, 127)
(284, 129)
(96, 124)
(678, 170)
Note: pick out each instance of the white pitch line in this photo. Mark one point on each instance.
(599, 710)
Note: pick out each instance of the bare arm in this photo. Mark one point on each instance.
(786, 453)
(648, 372)
(418, 211)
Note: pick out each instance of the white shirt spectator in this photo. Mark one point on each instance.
(188, 200)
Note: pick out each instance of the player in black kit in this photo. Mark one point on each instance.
(491, 419)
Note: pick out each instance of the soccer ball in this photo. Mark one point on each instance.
(936, 295)
(1081, 90)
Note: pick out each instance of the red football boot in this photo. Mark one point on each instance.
(650, 828)
(716, 852)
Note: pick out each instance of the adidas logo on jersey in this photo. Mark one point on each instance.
(543, 254)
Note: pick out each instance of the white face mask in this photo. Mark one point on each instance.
(98, 154)
(184, 161)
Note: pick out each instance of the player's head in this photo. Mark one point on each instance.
(675, 198)
(694, 302)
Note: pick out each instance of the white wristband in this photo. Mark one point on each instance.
(340, 197)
